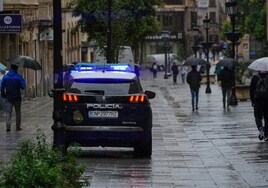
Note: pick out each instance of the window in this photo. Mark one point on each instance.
(212, 17)
(167, 20)
(212, 3)
(173, 2)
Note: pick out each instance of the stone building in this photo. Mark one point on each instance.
(34, 35)
(180, 17)
(35, 39)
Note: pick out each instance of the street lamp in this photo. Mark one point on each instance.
(58, 126)
(206, 22)
(165, 35)
(234, 35)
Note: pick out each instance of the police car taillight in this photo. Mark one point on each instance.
(70, 98)
(137, 99)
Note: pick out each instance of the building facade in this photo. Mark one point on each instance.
(180, 17)
(35, 36)
(35, 39)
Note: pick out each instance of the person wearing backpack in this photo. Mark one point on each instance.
(226, 76)
(259, 100)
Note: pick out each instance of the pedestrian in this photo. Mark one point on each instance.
(183, 71)
(227, 79)
(11, 87)
(2, 100)
(154, 70)
(193, 79)
(175, 72)
(137, 70)
(259, 102)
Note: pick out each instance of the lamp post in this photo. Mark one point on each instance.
(109, 33)
(206, 22)
(58, 126)
(165, 35)
(233, 36)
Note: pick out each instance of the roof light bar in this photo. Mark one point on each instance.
(104, 67)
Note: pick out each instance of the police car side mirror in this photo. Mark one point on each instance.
(50, 94)
(150, 94)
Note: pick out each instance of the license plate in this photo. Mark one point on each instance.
(103, 114)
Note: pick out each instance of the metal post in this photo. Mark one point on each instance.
(206, 25)
(208, 90)
(165, 47)
(58, 126)
(168, 54)
(109, 33)
(233, 98)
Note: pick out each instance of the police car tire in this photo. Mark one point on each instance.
(144, 149)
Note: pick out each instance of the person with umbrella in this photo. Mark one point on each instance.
(11, 87)
(259, 101)
(193, 79)
(227, 79)
(259, 96)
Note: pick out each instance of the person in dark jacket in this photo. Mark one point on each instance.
(154, 70)
(259, 105)
(11, 87)
(193, 79)
(226, 76)
(175, 72)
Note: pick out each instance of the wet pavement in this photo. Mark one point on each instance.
(207, 148)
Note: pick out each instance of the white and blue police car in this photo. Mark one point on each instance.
(105, 105)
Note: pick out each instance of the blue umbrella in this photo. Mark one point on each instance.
(2, 67)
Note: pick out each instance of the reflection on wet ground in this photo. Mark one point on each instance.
(208, 148)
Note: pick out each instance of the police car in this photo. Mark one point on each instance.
(105, 105)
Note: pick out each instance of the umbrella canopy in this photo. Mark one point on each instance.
(228, 62)
(259, 64)
(26, 62)
(2, 67)
(194, 61)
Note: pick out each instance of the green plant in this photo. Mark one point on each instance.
(37, 164)
(242, 73)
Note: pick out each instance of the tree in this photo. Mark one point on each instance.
(130, 20)
(252, 18)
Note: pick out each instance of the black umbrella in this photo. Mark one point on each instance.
(193, 61)
(228, 62)
(26, 62)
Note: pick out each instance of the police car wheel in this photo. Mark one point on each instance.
(144, 149)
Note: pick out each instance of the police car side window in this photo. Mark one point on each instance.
(134, 88)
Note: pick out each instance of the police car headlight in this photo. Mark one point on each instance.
(77, 117)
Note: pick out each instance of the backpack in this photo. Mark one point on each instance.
(202, 69)
(261, 91)
(154, 67)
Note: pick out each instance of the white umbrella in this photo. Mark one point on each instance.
(259, 64)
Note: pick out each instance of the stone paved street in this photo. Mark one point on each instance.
(209, 148)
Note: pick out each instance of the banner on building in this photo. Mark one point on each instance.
(203, 4)
(10, 23)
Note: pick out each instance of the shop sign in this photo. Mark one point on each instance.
(173, 36)
(10, 23)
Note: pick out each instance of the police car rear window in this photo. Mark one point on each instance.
(104, 88)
